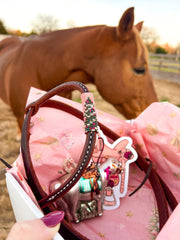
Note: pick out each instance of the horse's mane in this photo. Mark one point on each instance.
(9, 42)
(70, 30)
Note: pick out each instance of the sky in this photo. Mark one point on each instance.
(162, 15)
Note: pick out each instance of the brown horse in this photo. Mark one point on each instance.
(113, 58)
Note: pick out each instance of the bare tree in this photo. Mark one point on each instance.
(44, 24)
(149, 35)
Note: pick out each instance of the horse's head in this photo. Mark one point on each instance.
(122, 75)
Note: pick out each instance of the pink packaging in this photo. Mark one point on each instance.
(56, 142)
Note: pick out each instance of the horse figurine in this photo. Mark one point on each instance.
(101, 185)
(85, 199)
(113, 58)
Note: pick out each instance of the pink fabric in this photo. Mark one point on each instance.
(56, 142)
(157, 130)
(171, 230)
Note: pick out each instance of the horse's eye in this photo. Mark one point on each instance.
(139, 70)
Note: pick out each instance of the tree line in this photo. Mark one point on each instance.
(151, 38)
(47, 23)
(42, 24)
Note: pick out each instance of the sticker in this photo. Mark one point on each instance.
(114, 160)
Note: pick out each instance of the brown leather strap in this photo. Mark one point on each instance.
(85, 157)
(161, 191)
(69, 86)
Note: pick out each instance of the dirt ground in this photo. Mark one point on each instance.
(9, 146)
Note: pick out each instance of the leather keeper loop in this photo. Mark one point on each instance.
(34, 106)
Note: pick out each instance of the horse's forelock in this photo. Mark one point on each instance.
(140, 49)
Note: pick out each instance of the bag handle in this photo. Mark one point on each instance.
(86, 154)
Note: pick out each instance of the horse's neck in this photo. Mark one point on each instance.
(76, 50)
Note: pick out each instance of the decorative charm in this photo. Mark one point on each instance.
(90, 119)
(121, 154)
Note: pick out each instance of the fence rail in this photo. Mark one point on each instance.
(165, 66)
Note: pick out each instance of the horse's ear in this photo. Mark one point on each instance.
(126, 24)
(139, 26)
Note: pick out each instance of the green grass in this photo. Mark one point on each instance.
(166, 69)
(77, 100)
(164, 99)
